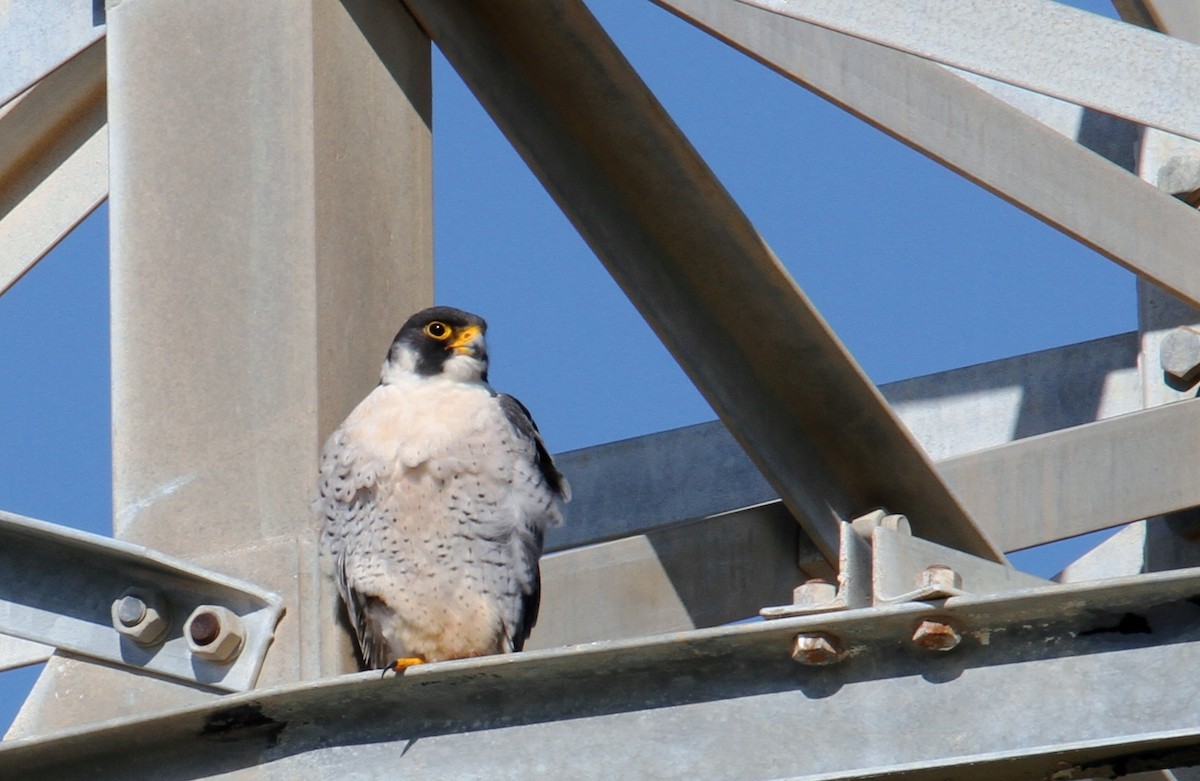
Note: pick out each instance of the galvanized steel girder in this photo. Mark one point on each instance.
(58, 586)
(724, 702)
(692, 263)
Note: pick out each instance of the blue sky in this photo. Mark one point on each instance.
(916, 269)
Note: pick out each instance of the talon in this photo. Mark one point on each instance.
(402, 664)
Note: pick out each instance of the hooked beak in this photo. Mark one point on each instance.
(469, 341)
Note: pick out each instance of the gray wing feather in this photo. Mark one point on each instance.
(519, 417)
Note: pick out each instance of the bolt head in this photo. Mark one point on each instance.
(936, 636)
(130, 610)
(940, 578)
(1179, 354)
(214, 633)
(817, 649)
(814, 593)
(141, 616)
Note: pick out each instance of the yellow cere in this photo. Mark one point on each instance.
(464, 337)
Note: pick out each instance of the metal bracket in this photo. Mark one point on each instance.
(129, 606)
(880, 562)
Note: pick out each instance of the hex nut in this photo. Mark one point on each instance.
(214, 633)
(141, 616)
(817, 649)
(814, 593)
(1179, 354)
(936, 636)
(940, 578)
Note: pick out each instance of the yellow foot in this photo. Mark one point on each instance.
(402, 664)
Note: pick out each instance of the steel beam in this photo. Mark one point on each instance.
(36, 37)
(58, 586)
(975, 134)
(693, 265)
(271, 227)
(1031, 491)
(15, 652)
(1040, 45)
(53, 161)
(642, 484)
(686, 576)
(1177, 18)
(1087, 478)
(722, 703)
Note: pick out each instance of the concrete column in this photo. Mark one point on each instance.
(271, 229)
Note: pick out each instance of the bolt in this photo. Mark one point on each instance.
(1179, 354)
(130, 610)
(817, 649)
(141, 616)
(865, 524)
(214, 633)
(204, 628)
(936, 636)
(939, 579)
(814, 593)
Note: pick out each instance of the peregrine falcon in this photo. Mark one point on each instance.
(435, 493)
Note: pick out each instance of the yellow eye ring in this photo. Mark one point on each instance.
(438, 330)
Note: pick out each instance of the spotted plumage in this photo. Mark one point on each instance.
(435, 494)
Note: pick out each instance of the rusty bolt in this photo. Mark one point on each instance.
(936, 636)
(817, 648)
(814, 593)
(941, 579)
(214, 633)
(141, 616)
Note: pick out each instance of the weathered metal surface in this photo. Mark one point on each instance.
(37, 36)
(899, 560)
(1040, 45)
(721, 703)
(694, 266)
(632, 486)
(972, 132)
(15, 652)
(255, 291)
(638, 485)
(853, 586)
(687, 576)
(1087, 478)
(53, 160)
(1179, 18)
(58, 586)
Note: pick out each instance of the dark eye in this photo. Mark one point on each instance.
(438, 330)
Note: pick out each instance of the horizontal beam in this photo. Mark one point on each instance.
(60, 587)
(1083, 479)
(722, 703)
(53, 161)
(36, 37)
(638, 485)
(15, 652)
(678, 245)
(686, 576)
(976, 134)
(1040, 45)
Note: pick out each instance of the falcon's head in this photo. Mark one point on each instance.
(439, 341)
